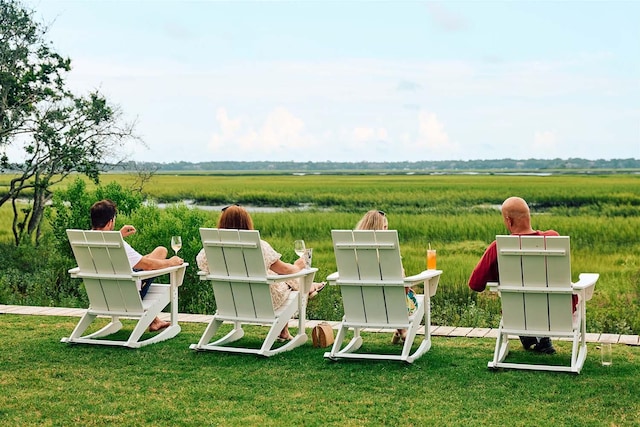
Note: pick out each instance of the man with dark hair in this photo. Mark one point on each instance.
(517, 219)
(103, 218)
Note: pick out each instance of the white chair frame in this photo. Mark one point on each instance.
(112, 290)
(241, 288)
(370, 276)
(536, 291)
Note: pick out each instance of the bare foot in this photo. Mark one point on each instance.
(158, 324)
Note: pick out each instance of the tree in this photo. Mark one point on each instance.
(71, 208)
(60, 133)
(30, 71)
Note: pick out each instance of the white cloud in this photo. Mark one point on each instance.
(281, 129)
(545, 143)
(365, 134)
(352, 110)
(281, 135)
(432, 131)
(228, 127)
(432, 135)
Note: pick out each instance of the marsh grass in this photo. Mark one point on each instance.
(457, 215)
(47, 383)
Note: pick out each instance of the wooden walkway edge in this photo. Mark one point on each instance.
(439, 331)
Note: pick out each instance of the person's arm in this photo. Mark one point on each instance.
(127, 230)
(149, 263)
(281, 267)
(486, 270)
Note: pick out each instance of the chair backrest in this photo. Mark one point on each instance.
(104, 267)
(535, 282)
(370, 276)
(237, 272)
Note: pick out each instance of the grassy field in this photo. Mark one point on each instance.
(47, 383)
(457, 215)
(395, 192)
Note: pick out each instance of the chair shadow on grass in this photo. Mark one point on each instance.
(380, 343)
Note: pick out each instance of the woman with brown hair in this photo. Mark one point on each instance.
(237, 218)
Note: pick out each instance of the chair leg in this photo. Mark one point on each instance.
(211, 330)
(112, 327)
(354, 344)
(502, 348)
(141, 327)
(82, 325)
(272, 336)
(86, 320)
(412, 332)
(337, 343)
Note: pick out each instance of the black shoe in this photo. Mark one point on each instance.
(527, 342)
(544, 346)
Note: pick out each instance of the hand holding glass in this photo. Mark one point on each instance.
(176, 243)
(308, 254)
(299, 247)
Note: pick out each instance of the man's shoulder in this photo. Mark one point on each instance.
(550, 233)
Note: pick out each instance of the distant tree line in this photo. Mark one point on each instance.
(419, 166)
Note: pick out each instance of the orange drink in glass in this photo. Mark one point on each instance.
(431, 259)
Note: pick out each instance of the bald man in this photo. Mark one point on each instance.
(517, 219)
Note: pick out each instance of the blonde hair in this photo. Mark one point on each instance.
(373, 220)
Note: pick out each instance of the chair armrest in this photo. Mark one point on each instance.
(422, 276)
(332, 278)
(430, 278)
(283, 277)
(74, 270)
(586, 284)
(306, 280)
(493, 286)
(159, 272)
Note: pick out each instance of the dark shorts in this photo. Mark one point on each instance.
(145, 285)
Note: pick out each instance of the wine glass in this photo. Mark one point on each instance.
(299, 247)
(176, 243)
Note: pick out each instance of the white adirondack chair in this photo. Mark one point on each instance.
(370, 277)
(111, 287)
(536, 293)
(241, 289)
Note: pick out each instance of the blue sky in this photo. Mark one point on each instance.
(361, 80)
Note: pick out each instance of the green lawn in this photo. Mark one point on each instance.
(47, 383)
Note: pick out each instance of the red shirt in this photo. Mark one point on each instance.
(487, 268)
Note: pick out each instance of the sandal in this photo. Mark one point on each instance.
(284, 339)
(398, 338)
(319, 286)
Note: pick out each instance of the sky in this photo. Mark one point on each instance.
(352, 81)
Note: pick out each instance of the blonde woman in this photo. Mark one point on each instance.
(377, 220)
(373, 220)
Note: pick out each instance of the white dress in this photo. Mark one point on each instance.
(279, 291)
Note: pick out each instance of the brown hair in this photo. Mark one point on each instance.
(235, 217)
(101, 213)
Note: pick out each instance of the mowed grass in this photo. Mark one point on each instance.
(48, 383)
